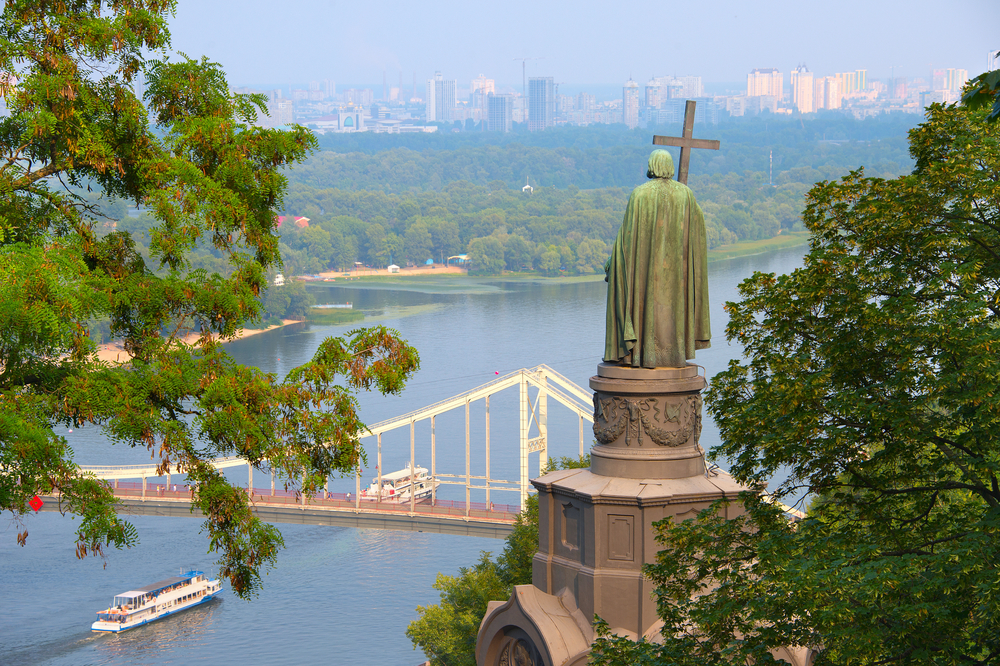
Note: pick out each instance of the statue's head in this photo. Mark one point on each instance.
(661, 165)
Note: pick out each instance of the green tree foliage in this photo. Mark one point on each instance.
(549, 262)
(516, 252)
(984, 91)
(417, 243)
(447, 632)
(210, 182)
(591, 255)
(486, 255)
(871, 380)
(289, 301)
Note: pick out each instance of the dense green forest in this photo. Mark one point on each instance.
(404, 199)
(408, 198)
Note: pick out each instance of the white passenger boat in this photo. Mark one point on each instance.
(146, 604)
(397, 486)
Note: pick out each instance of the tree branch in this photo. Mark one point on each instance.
(29, 178)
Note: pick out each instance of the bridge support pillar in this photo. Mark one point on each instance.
(525, 423)
(543, 423)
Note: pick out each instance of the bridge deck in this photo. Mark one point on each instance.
(443, 517)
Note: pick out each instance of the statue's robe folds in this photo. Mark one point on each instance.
(658, 279)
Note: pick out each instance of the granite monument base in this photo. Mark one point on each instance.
(596, 525)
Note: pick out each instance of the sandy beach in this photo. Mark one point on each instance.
(436, 269)
(113, 352)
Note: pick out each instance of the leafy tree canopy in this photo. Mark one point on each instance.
(871, 380)
(209, 179)
(984, 91)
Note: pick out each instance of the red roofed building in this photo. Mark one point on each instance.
(300, 222)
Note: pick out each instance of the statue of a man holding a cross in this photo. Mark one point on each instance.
(658, 272)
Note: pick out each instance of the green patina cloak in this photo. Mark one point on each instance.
(658, 275)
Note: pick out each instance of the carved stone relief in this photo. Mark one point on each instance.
(616, 415)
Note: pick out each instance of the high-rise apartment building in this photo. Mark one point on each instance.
(500, 112)
(768, 81)
(853, 82)
(630, 104)
(848, 82)
(280, 112)
(827, 93)
(690, 88)
(359, 96)
(541, 103)
(898, 88)
(480, 89)
(949, 79)
(678, 87)
(482, 84)
(441, 99)
(654, 94)
(329, 88)
(802, 89)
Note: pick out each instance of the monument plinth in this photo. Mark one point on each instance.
(596, 526)
(647, 422)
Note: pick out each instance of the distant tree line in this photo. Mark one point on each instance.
(463, 194)
(379, 199)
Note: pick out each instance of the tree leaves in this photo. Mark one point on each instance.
(205, 174)
(984, 91)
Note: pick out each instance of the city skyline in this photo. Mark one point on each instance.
(363, 44)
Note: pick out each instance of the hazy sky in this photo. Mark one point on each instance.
(584, 41)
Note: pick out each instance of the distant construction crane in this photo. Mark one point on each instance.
(524, 75)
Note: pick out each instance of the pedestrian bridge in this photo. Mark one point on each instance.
(331, 509)
(157, 494)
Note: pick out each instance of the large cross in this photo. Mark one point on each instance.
(685, 142)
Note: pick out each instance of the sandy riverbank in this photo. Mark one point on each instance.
(436, 269)
(113, 352)
(740, 249)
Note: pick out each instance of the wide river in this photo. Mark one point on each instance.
(338, 595)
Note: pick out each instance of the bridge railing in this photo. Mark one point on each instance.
(325, 500)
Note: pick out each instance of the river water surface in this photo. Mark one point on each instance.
(338, 595)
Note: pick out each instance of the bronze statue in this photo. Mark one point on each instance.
(658, 275)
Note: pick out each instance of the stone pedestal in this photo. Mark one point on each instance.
(596, 525)
(647, 422)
